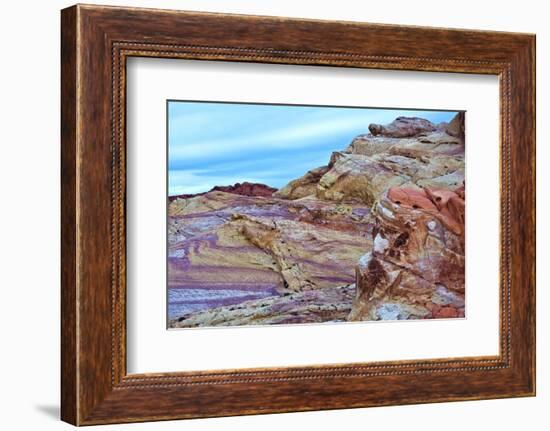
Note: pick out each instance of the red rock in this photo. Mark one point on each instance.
(446, 313)
(448, 206)
(411, 198)
(247, 189)
(451, 208)
(243, 189)
(434, 308)
(461, 192)
(416, 266)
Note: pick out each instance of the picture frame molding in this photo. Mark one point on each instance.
(96, 41)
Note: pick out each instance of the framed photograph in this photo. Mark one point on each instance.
(263, 214)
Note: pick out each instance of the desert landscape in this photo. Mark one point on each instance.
(377, 233)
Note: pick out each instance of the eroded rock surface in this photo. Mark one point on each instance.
(244, 189)
(332, 304)
(403, 127)
(415, 268)
(225, 248)
(247, 189)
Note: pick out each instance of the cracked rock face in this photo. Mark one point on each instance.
(415, 269)
(375, 234)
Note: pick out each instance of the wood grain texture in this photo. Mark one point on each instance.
(69, 397)
(96, 41)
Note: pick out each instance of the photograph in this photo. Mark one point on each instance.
(303, 214)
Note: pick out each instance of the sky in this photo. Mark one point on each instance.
(212, 143)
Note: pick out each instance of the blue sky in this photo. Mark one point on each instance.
(213, 143)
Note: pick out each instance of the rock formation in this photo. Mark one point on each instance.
(372, 164)
(415, 268)
(244, 189)
(403, 127)
(226, 248)
(376, 234)
(331, 304)
(247, 189)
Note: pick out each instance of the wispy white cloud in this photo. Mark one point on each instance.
(186, 182)
(284, 134)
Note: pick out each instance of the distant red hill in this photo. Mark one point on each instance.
(244, 189)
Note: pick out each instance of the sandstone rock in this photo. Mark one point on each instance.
(417, 270)
(314, 306)
(409, 151)
(363, 179)
(456, 127)
(303, 186)
(368, 145)
(212, 201)
(357, 178)
(244, 189)
(446, 205)
(247, 189)
(423, 146)
(247, 248)
(403, 127)
(453, 181)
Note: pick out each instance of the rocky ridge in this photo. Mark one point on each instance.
(244, 189)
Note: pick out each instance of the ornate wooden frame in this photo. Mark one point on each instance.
(95, 42)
